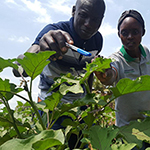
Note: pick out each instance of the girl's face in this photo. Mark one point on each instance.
(131, 33)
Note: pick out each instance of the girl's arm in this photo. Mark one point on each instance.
(108, 77)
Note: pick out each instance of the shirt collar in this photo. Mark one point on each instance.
(127, 57)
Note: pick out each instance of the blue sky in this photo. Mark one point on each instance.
(21, 21)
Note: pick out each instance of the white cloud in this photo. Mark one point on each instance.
(63, 6)
(19, 39)
(13, 2)
(106, 29)
(36, 7)
(10, 1)
(110, 1)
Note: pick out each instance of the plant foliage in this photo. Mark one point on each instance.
(24, 128)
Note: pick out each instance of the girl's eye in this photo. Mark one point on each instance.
(135, 32)
(124, 33)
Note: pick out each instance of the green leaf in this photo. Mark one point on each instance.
(4, 122)
(45, 144)
(20, 103)
(44, 137)
(147, 113)
(89, 119)
(87, 100)
(101, 138)
(5, 138)
(7, 63)
(71, 113)
(34, 63)
(57, 83)
(52, 101)
(76, 88)
(7, 89)
(99, 64)
(70, 85)
(126, 85)
(136, 132)
(123, 146)
(69, 122)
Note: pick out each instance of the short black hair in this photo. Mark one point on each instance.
(101, 2)
(131, 13)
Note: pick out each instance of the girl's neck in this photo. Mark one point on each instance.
(134, 53)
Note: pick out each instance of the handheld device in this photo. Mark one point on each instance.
(79, 50)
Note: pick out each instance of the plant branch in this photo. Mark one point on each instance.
(12, 117)
(33, 105)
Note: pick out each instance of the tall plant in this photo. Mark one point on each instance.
(24, 128)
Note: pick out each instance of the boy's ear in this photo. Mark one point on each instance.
(73, 10)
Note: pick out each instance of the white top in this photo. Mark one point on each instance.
(128, 107)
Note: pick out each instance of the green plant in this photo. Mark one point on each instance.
(24, 128)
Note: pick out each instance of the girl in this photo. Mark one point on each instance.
(131, 61)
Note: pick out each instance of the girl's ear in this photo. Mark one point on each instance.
(118, 33)
(143, 32)
(73, 10)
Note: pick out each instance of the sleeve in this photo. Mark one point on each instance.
(43, 31)
(114, 65)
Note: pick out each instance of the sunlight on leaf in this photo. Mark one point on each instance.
(126, 86)
(136, 132)
(140, 135)
(34, 63)
(64, 89)
(20, 69)
(123, 146)
(51, 138)
(99, 64)
(7, 63)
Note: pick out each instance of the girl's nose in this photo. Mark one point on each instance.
(130, 35)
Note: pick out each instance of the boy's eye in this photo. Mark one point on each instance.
(83, 15)
(97, 20)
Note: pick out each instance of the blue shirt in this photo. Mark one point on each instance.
(71, 59)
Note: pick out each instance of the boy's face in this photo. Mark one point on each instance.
(131, 33)
(87, 18)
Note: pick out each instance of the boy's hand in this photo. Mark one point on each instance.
(55, 40)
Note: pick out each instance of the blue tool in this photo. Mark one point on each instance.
(79, 50)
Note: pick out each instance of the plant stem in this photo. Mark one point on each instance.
(34, 106)
(87, 87)
(51, 124)
(12, 118)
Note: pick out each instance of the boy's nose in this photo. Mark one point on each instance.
(87, 22)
